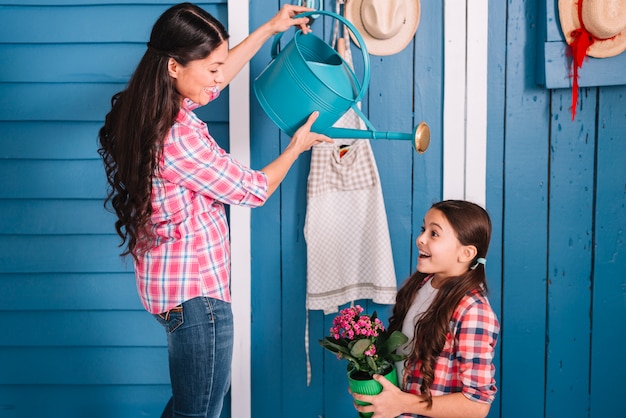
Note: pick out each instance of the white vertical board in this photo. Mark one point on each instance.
(476, 121)
(465, 100)
(454, 99)
(239, 133)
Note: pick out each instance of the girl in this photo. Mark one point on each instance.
(168, 184)
(452, 330)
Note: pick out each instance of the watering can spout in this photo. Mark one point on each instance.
(420, 135)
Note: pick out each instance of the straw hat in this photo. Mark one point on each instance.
(386, 26)
(604, 20)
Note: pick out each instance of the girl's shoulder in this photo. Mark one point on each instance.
(475, 306)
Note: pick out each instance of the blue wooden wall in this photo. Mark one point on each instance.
(406, 88)
(78, 342)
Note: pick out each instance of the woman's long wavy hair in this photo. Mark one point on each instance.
(472, 226)
(131, 139)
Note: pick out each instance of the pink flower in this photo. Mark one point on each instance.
(371, 351)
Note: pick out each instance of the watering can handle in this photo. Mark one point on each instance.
(366, 61)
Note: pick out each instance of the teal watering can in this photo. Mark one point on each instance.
(309, 75)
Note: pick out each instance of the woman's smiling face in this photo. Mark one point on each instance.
(199, 79)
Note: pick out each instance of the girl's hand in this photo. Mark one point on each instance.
(387, 404)
(303, 139)
(283, 20)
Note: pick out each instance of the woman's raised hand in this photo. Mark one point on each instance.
(283, 20)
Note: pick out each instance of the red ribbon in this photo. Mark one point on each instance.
(581, 42)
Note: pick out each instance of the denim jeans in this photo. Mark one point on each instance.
(200, 350)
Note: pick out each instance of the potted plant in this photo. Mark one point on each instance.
(368, 347)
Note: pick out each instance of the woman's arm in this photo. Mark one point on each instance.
(392, 402)
(241, 54)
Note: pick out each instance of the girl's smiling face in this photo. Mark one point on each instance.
(440, 251)
(199, 80)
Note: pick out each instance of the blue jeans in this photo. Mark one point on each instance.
(200, 349)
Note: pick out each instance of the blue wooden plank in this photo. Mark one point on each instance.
(36, 140)
(496, 93)
(427, 186)
(69, 292)
(609, 278)
(61, 254)
(47, 140)
(98, 63)
(572, 151)
(81, 328)
(293, 214)
(556, 70)
(54, 179)
(56, 102)
(88, 365)
(36, 217)
(525, 215)
(77, 102)
(297, 396)
(80, 401)
(79, 22)
(391, 109)
(266, 248)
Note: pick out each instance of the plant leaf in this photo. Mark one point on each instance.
(359, 347)
(371, 363)
(387, 344)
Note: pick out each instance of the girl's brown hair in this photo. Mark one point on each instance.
(472, 226)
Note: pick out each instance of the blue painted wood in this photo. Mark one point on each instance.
(61, 254)
(267, 364)
(526, 217)
(65, 291)
(103, 22)
(94, 401)
(52, 179)
(82, 328)
(63, 216)
(82, 102)
(293, 270)
(609, 263)
(80, 292)
(101, 365)
(595, 71)
(48, 140)
(496, 94)
(34, 140)
(97, 63)
(572, 152)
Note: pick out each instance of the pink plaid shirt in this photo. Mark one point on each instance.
(196, 178)
(466, 362)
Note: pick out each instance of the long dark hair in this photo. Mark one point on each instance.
(131, 139)
(472, 226)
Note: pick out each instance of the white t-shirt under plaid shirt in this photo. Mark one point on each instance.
(191, 255)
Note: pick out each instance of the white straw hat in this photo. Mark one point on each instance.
(604, 20)
(386, 26)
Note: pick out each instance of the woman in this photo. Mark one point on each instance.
(168, 184)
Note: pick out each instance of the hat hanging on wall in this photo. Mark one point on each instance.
(386, 26)
(595, 28)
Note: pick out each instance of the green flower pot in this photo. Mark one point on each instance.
(370, 387)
